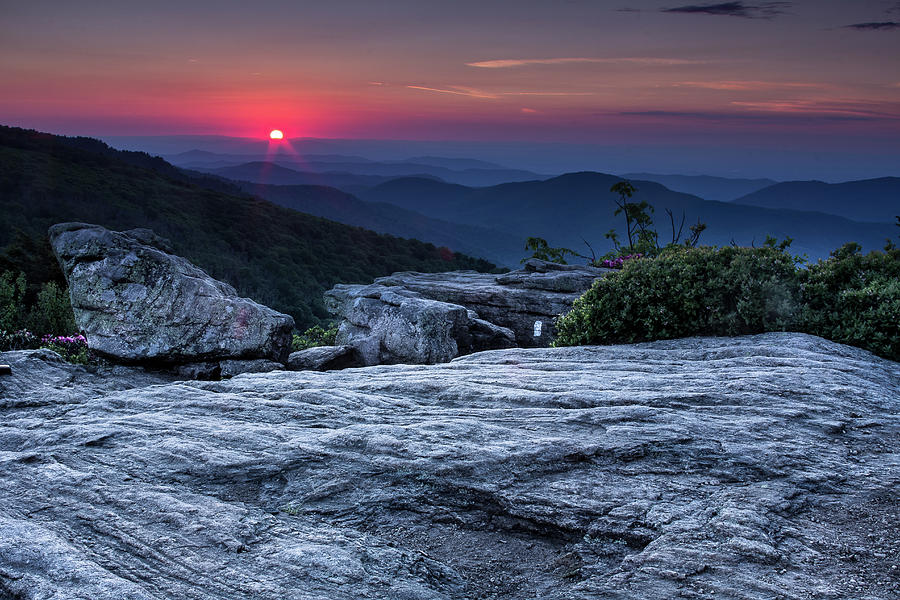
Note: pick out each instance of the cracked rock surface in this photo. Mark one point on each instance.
(759, 467)
(138, 303)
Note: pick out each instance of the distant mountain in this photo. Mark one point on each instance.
(707, 187)
(569, 209)
(464, 171)
(871, 200)
(457, 164)
(277, 256)
(275, 174)
(499, 247)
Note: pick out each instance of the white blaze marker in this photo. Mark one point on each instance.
(537, 328)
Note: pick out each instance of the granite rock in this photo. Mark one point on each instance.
(137, 302)
(748, 468)
(526, 301)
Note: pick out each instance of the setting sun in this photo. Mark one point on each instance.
(276, 134)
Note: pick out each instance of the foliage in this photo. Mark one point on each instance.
(275, 255)
(73, 349)
(314, 336)
(52, 311)
(684, 292)
(12, 300)
(850, 298)
(542, 250)
(21, 339)
(46, 311)
(854, 299)
(619, 261)
(643, 239)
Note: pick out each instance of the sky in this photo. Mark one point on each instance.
(817, 81)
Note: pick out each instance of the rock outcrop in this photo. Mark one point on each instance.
(137, 302)
(389, 325)
(525, 302)
(760, 467)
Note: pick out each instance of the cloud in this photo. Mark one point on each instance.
(529, 111)
(846, 109)
(472, 93)
(765, 10)
(748, 85)
(476, 93)
(789, 110)
(524, 62)
(881, 26)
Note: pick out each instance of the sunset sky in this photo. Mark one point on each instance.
(814, 74)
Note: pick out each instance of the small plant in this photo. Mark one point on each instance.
(21, 339)
(73, 349)
(541, 250)
(314, 336)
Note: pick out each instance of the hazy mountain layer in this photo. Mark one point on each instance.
(874, 200)
(465, 171)
(499, 247)
(579, 206)
(705, 186)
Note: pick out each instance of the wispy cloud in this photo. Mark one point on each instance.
(788, 110)
(877, 26)
(859, 110)
(765, 10)
(524, 62)
(476, 93)
(748, 85)
(472, 93)
(529, 111)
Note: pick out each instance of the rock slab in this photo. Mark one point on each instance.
(526, 302)
(746, 468)
(391, 325)
(137, 302)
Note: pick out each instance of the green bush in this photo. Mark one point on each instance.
(685, 292)
(854, 299)
(52, 311)
(73, 349)
(314, 336)
(850, 298)
(12, 301)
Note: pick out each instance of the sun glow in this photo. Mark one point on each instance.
(276, 134)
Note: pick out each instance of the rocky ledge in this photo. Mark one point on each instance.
(425, 318)
(756, 467)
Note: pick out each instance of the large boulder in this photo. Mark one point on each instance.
(390, 325)
(137, 302)
(525, 301)
(749, 468)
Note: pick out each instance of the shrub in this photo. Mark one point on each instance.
(314, 336)
(52, 311)
(684, 292)
(21, 339)
(854, 299)
(74, 349)
(12, 300)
